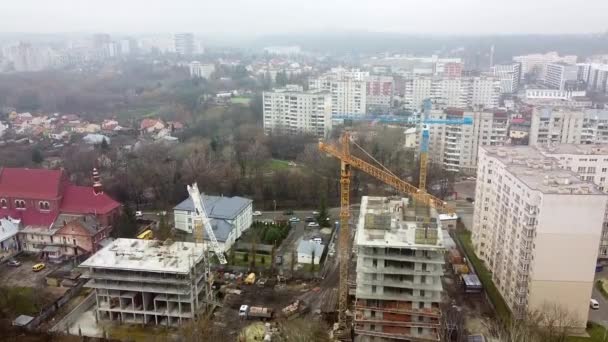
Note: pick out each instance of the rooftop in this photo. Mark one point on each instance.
(382, 223)
(83, 200)
(31, 183)
(540, 172)
(307, 246)
(585, 149)
(147, 256)
(218, 207)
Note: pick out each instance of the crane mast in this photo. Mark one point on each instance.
(347, 160)
(201, 214)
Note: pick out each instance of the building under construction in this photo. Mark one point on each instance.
(147, 281)
(400, 257)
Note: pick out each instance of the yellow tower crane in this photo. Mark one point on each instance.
(347, 160)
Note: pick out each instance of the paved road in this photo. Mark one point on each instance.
(601, 315)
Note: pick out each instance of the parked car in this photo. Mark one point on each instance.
(288, 212)
(14, 263)
(139, 214)
(594, 304)
(315, 213)
(294, 219)
(38, 267)
(469, 199)
(161, 213)
(257, 213)
(317, 240)
(309, 219)
(313, 224)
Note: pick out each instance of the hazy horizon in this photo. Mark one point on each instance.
(254, 18)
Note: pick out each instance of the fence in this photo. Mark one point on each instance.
(65, 323)
(52, 308)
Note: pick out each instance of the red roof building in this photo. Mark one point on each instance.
(37, 197)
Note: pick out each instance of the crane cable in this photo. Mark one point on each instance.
(374, 159)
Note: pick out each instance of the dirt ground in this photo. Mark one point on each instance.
(23, 275)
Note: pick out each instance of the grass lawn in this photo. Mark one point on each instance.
(484, 276)
(307, 267)
(277, 165)
(240, 100)
(261, 260)
(595, 331)
(21, 300)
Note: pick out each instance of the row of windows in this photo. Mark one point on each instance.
(20, 204)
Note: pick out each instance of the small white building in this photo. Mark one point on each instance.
(308, 248)
(9, 244)
(230, 217)
(94, 139)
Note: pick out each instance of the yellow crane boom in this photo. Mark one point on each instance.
(347, 160)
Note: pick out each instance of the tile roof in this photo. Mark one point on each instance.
(218, 207)
(31, 183)
(88, 222)
(82, 200)
(30, 217)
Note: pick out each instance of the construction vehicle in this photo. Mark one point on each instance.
(250, 312)
(347, 160)
(250, 279)
(295, 310)
(146, 235)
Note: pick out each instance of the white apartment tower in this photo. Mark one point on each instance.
(528, 213)
(559, 73)
(458, 92)
(509, 75)
(456, 146)
(294, 111)
(399, 268)
(199, 70)
(555, 125)
(537, 63)
(184, 43)
(347, 89)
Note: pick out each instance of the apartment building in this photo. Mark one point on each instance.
(399, 268)
(537, 63)
(595, 75)
(147, 282)
(294, 111)
(555, 125)
(379, 96)
(456, 146)
(528, 211)
(559, 74)
(184, 43)
(509, 76)
(459, 92)
(348, 90)
(199, 70)
(590, 162)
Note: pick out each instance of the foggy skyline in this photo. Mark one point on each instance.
(248, 17)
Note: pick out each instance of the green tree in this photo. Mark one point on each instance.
(322, 218)
(37, 156)
(272, 235)
(164, 229)
(126, 226)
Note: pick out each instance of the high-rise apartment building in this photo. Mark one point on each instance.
(294, 111)
(555, 125)
(184, 43)
(509, 75)
(459, 92)
(537, 63)
(595, 76)
(528, 212)
(456, 146)
(348, 91)
(199, 70)
(399, 268)
(379, 95)
(559, 74)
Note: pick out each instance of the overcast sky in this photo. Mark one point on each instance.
(282, 16)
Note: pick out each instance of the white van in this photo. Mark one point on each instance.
(594, 304)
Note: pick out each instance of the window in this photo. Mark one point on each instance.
(591, 169)
(20, 204)
(3, 203)
(44, 205)
(581, 169)
(604, 169)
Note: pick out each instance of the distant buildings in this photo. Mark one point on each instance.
(379, 96)
(348, 90)
(528, 211)
(559, 74)
(399, 270)
(147, 282)
(554, 125)
(294, 111)
(595, 76)
(184, 44)
(509, 76)
(230, 217)
(199, 70)
(536, 64)
(283, 50)
(456, 146)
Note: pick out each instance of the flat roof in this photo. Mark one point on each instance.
(582, 149)
(396, 231)
(147, 256)
(540, 172)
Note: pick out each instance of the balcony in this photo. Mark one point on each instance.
(406, 284)
(399, 270)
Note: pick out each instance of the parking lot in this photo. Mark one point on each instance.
(23, 275)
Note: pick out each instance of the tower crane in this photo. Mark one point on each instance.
(347, 160)
(202, 220)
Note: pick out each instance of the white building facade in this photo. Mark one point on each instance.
(537, 63)
(565, 125)
(558, 74)
(509, 76)
(528, 211)
(199, 70)
(348, 90)
(294, 111)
